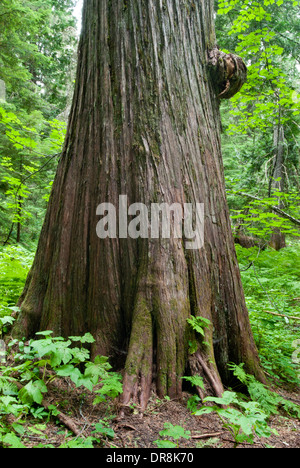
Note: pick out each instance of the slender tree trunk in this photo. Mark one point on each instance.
(19, 225)
(278, 240)
(9, 234)
(144, 123)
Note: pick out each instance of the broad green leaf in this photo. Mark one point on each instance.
(33, 392)
(14, 441)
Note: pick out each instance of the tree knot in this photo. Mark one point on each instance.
(228, 73)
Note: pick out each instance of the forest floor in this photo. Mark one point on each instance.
(135, 432)
(278, 273)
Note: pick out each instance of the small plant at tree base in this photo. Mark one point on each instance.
(4, 322)
(193, 403)
(195, 381)
(243, 420)
(103, 431)
(198, 324)
(172, 432)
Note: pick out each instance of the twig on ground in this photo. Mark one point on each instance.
(207, 436)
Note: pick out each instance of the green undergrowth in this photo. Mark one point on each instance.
(271, 283)
(247, 417)
(272, 286)
(15, 262)
(31, 371)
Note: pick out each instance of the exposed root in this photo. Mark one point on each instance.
(139, 364)
(200, 366)
(212, 375)
(136, 391)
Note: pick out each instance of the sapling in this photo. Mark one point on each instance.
(172, 432)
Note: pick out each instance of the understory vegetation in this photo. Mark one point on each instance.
(36, 377)
(261, 129)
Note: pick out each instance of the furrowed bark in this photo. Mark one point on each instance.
(144, 123)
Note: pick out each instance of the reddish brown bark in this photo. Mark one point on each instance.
(145, 123)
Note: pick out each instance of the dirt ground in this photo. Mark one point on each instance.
(134, 432)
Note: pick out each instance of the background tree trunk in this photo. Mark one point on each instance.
(278, 240)
(19, 225)
(144, 123)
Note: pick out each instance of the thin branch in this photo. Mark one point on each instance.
(281, 315)
(207, 436)
(277, 210)
(9, 234)
(41, 168)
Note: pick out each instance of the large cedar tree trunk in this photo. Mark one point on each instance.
(144, 123)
